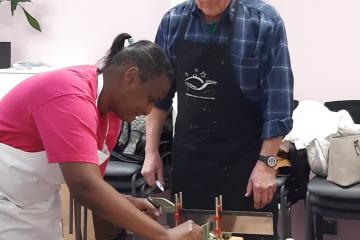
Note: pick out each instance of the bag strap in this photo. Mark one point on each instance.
(321, 150)
(357, 147)
(323, 159)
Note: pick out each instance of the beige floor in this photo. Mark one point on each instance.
(65, 217)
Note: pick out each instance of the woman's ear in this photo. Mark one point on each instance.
(132, 76)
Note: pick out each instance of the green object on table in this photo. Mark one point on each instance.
(206, 231)
(165, 204)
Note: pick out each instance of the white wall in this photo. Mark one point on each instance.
(77, 32)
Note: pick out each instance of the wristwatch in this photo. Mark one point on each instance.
(271, 161)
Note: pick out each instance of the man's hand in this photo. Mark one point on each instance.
(152, 169)
(262, 184)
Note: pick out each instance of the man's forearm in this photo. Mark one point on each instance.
(154, 126)
(270, 147)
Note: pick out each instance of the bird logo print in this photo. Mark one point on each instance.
(198, 82)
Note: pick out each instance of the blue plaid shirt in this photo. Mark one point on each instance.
(259, 51)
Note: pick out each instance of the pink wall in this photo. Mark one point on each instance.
(323, 35)
(77, 32)
(324, 41)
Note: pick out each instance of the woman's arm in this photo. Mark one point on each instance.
(88, 187)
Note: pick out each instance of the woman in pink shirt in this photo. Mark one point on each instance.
(57, 127)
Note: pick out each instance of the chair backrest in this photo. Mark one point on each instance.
(299, 172)
(352, 106)
(296, 103)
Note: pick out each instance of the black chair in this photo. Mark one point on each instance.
(124, 175)
(284, 211)
(285, 185)
(325, 199)
(292, 188)
(124, 172)
(291, 185)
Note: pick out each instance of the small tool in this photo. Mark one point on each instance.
(158, 184)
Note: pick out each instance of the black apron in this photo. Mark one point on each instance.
(218, 130)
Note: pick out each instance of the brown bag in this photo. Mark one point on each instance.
(344, 160)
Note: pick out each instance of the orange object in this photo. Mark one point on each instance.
(178, 209)
(218, 210)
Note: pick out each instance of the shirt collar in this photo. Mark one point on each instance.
(230, 11)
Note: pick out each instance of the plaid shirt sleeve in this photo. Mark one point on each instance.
(160, 40)
(277, 83)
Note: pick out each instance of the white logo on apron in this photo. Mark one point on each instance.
(198, 82)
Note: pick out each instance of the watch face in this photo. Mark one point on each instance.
(271, 161)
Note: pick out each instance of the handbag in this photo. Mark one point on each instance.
(344, 160)
(317, 154)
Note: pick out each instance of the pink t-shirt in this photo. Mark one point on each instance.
(56, 112)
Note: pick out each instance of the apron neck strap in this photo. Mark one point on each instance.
(100, 85)
(186, 19)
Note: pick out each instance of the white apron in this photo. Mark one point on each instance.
(29, 194)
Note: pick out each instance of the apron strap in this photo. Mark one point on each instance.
(100, 84)
(186, 19)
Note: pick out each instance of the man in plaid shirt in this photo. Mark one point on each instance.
(234, 85)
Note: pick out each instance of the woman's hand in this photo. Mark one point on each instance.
(186, 231)
(144, 205)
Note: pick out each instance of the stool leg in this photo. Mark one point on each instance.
(319, 220)
(309, 221)
(133, 183)
(289, 222)
(77, 221)
(283, 210)
(71, 214)
(85, 224)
